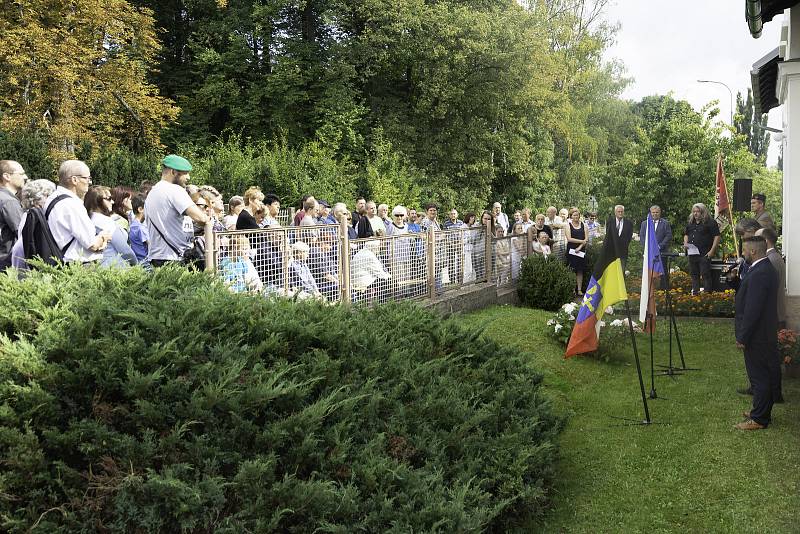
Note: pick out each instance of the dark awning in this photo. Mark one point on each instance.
(764, 79)
(757, 12)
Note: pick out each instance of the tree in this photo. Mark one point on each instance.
(78, 70)
(752, 127)
(671, 159)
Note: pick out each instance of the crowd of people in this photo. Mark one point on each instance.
(165, 223)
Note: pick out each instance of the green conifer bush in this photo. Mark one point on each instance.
(162, 402)
(545, 283)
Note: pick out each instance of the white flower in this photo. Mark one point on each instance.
(571, 317)
(569, 307)
(617, 323)
(610, 310)
(601, 323)
(551, 322)
(558, 327)
(627, 273)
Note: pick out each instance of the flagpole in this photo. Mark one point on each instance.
(733, 223)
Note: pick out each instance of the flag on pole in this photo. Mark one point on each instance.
(606, 287)
(722, 207)
(652, 269)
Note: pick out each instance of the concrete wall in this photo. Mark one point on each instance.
(474, 297)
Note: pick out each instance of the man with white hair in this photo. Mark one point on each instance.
(624, 228)
(500, 218)
(340, 213)
(383, 213)
(69, 222)
(12, 178)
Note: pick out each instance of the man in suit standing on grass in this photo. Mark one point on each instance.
(624, 231)
(757, 331)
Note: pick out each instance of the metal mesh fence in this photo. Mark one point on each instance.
(389, 268)
(311, 262)
(507, 254)
(460, 258)
(303, 262)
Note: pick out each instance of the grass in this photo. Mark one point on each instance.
(694, 472)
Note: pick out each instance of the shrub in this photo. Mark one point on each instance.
(32, 150)
(136, 402)
(122, 166)
(545, 283)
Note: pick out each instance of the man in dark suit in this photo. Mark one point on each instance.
(757, 331)
(663, 235)
(663, 230)
(624, 231)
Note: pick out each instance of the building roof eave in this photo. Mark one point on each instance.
(758, 12)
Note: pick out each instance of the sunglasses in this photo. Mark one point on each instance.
(109, 199)
(199, 205)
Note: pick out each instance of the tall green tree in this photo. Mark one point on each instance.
(671, 159)
(752, 127)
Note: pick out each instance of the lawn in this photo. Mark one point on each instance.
(692, 472)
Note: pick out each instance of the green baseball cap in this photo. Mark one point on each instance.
(176, 162)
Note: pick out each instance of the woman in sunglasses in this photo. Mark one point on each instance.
(99, 205)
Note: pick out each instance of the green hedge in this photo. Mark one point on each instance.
(136, 402)
(545, 283)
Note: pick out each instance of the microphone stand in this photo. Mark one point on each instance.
(670, 370)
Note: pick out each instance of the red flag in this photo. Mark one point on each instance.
(721, 203)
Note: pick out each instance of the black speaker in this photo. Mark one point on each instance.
(742, 192)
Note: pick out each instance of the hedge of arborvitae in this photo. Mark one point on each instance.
(138, 402)
(545, 283)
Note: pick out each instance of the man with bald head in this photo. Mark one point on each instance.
(67, 218)
(12, 178)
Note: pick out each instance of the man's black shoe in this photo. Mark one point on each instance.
(745, 391)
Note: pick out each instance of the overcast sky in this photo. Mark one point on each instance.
(667, 45)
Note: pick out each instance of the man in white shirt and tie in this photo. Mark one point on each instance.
(624, 231)
(662, 227)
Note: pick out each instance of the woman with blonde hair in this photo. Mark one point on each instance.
(253, 199)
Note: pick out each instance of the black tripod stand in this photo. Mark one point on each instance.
(671, 370)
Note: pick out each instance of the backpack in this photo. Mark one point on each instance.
(38, 240)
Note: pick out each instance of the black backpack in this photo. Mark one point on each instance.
(37, 240)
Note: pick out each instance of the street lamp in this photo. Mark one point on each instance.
(729, 92)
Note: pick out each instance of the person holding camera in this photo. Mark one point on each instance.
(164, 210)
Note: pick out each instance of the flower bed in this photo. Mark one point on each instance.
(612, 334)
(716, 304)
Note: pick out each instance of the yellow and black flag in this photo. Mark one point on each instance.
(606, 287)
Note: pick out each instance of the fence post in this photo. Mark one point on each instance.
(210, 255)
(344, 264)
(529, 242)
(291, 217)
(488, 263)
(431, 258)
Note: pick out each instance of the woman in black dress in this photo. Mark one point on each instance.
(577, 237)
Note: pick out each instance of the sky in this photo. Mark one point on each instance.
(667, 45)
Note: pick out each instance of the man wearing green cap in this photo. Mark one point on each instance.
(164, 209)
